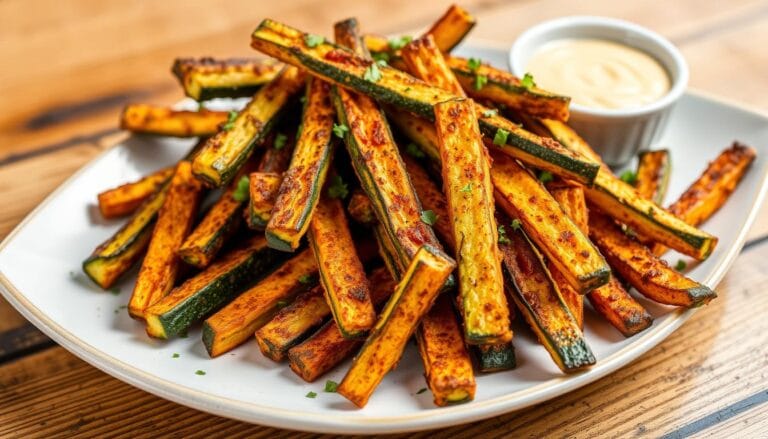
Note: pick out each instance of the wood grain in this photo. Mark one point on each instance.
(75, 65)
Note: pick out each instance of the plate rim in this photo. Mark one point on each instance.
(340, 422)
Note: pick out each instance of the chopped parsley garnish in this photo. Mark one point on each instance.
(313, 40)
(303, 99)
(629, 177)
(372, 73)
(490, 113)
(681, 265)
(414, 151)
(422, 390)
(311, 395)
(500, 138)
(230, 121)
(199, 372)
(305, 279)
(545, 176)
(380, 56)
(330, 386)
(428, 217)
(175, 355)
(467, 188)
(280, 140)
(115, 290)
(480, 81)
(241, 191)
(474, 63)
(516, 224)
(340, 130)
(381, 62)
(337, 188)
(503, 235)
(399, 42)
(528, 81)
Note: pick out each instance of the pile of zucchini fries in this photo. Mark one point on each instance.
(333, 234)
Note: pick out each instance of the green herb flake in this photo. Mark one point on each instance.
(681, 265)
(313, 40)
(516, 225)
(305, 279)
(230, 121)
(280, 141)
(467, 188)
(340, 130)
(399, 42)
(629, 177)
(175, 355)
(241, 190)
(199, 372)
(337, 188)
(115, 291)
(380, 56)
(311, 395)
(474, 64)
(201, 107)
(500, 138)
(303, 99)
(372, 73)
(545, 176)
(414, 151)
(422, 390)
(503, 235)
(490, 113)
(381, 62)
(480, 81)
(527, 81)
(331, 386)
(428, 217)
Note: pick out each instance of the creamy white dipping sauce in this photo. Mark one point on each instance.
(599, 73)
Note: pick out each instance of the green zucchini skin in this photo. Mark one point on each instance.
(401, 90)
(209, 93)
(495, 358)
(219, 291)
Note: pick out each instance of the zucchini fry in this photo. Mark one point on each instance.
(410, 301)
(328, 347)
(653, 170)
(711, 190)
(225, 152)
(263, 188)
(495, 357)
(505, 89)
(278, 157)
(451, 28)
(237, 321)
(174, 221)
(622, 202)
(391, 86)
(292, 324)
(469, 193)
(651, 276)
(522, 196)
(539, 300)
(303, 182)
(163, 121)
(445, 356)
(360, 208)
(207, 291)
(125, 199)
(341, 272)
(208, 78)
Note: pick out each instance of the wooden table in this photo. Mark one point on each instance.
(70, 66)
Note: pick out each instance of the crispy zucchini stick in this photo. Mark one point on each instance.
(125, 199)
(394, 87)
(174, 221)
(263, 188)
(163, 121)
(622, 202)
(710, 191)
(522, 196)
(410, 301)
(303, 182)
(469, 193)
(653, 170)
(225, 152)
(539, 301)
(360, 208)
(328, 347)
(341, 272)
(635, 263)
(208, 78)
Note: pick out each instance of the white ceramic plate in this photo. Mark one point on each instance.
(40, 276)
